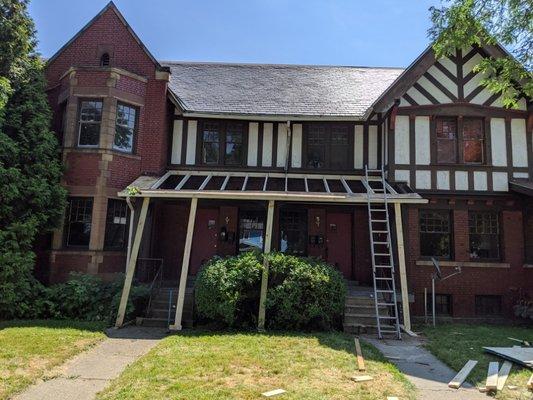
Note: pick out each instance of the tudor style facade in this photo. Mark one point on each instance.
(221, 158)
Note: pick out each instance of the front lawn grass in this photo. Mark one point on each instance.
(455, 344)
(209, 365)
(30, 348)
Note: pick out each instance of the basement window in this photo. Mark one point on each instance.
(443, 304)
(488, 305)
(78, 221)
(90, 118)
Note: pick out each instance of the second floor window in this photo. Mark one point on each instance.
(484, 234)
(90, 118)
(435, 234)
(222, 142)
(125, 127)
(328, 146)
(450, 139)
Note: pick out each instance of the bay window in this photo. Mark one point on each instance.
(90, 118)
(125, 128)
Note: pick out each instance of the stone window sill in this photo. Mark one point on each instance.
(466, 264)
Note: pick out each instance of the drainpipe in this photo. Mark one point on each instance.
(130, 233)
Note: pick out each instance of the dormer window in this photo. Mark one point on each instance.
(104, 60)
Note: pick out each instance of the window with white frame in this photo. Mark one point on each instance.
(90, 119)
(125, 127)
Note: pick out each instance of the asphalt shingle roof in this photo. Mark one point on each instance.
(282, 90)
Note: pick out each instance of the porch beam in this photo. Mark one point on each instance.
(401, 265)
(265, 183)
(185, 266)
(205, 182)
(244, 183)
(225, 182)
(183, 182)
(264, 277)
(326, 186)
(346, 187)
(132, 262)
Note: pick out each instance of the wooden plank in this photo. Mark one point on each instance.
(492, 376)
(185, 266)
(517, 354)
(362, 378)
(360, 359)
(132, 263)
(530, 383)
(272, 393)
(503, 374)
(264, 276)
(458, 380)
(402, 267)
(392, 398)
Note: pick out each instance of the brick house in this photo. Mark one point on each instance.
(221, 158)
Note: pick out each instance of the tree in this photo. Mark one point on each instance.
(31, 199)
(460, 23)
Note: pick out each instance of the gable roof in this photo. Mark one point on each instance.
(278, 90)
(114, 8)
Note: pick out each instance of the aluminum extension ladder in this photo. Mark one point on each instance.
(382, 256)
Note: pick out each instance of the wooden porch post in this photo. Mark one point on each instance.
(401, 262)
(132, 261)
(264, 277)
(185, 266)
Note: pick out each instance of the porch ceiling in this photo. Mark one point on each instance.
(270, 186)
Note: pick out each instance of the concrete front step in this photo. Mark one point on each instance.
(361, 319)
(162, 322)
(366, 309)
(358, 329)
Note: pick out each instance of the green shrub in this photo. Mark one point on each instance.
(303, 293)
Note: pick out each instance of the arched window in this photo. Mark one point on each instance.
(104, 60)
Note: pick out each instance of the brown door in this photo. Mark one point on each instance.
(205, 237)
(339, 242)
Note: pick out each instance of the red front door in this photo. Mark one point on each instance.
(205, 238)
(339, 242)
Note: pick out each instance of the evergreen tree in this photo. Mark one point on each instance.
(31, 199)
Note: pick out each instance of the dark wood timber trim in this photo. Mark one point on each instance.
(425, 93)
(529, 137)
(462, 108)
(488, 141)
(492, 99)
(380, 143)
(509, 145)
(410, 99)
(460, 142)
(452, 180)
(446, 72)
(471, 180)
(390, 150)
(260, 144)
(469, 55)
(184, 137)
(469, 76)
(365, 145)
(274, 144)
(460, 81)
(440, 86)
(412, 151)
(432, 141)
(474, 93)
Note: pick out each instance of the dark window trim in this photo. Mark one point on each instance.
(78, 122)
(459, 141)
(66, 224)
(222, 142)
(135, 129)
(451, 233)
(305, 145)
(437, 312)
(500, 237)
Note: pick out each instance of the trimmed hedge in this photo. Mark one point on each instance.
(303, 293)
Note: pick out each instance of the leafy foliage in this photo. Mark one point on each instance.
(461, 23)
(31, 199)
(303, 292)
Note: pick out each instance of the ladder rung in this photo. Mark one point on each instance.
(381, 254)
(387, 317)
(378, 209)
(380, 231)
(383, 279)
(381, 242)
(386, 304)
(378, 220)
(384, 291)
(382, 266)
(388, 331)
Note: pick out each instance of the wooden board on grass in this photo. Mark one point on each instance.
(362, 378)
(360, 359)
(458, 380)
(504, 374)
(492, 376)
(272, 393)
(530, 383)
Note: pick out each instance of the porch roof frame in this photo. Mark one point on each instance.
(151, 188)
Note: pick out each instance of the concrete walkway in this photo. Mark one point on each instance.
(424, 370)
(88, 373)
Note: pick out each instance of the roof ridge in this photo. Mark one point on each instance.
(216, 63)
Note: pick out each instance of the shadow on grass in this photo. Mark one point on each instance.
(90, 326)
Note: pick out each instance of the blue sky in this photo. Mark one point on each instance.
(335, 32)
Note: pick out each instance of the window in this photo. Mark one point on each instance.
(435, 234)
(446, 132)
(104, 60)
(89, 123)
(484, 235)
(251, 230)
(293, 232)
(328, 146)
(473, 140)
(125, 126)
(223, 142)
(488, 305)
(78, 220)
(116, 225)
(449, 140)
(443, 304)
